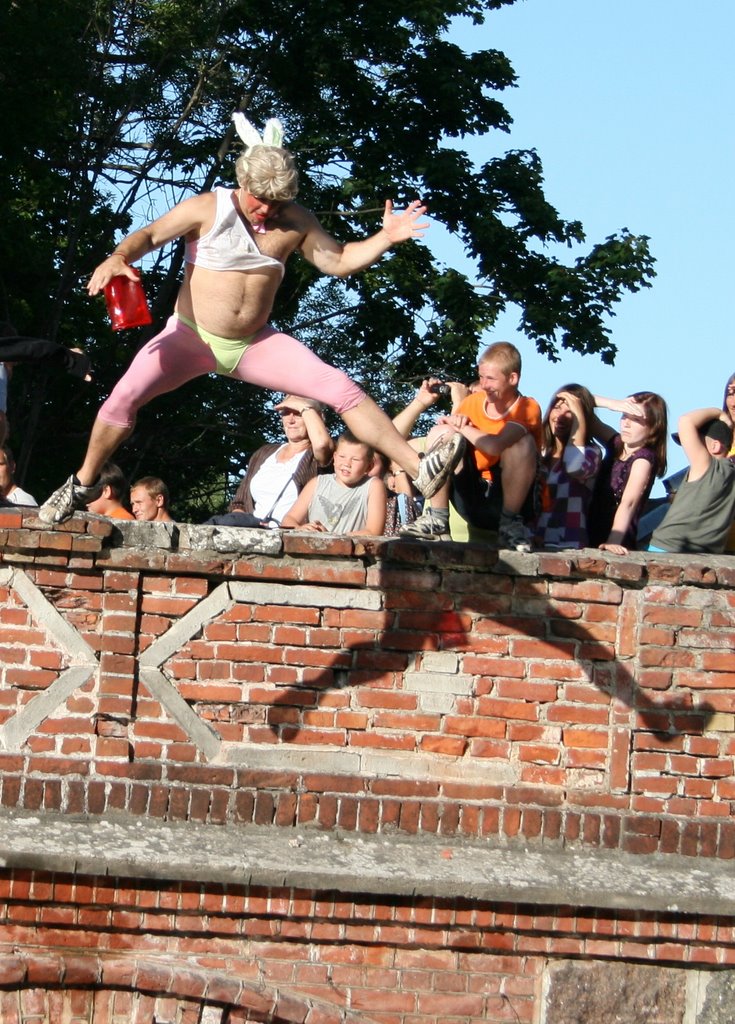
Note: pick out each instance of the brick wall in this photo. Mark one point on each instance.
(447, 695)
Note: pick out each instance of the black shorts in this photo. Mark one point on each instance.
(480, 501)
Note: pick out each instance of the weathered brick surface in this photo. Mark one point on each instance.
(383, 687)
(563, 687)
(295, 953)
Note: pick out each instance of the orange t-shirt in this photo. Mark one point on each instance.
(524, 411)
(119, 513)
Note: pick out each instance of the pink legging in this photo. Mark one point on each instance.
(272, 360)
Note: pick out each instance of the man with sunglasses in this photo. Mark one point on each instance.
(277, 472)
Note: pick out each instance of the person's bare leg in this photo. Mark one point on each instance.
(370, 424)
(76, 493)
(104, 441)
(518, 464)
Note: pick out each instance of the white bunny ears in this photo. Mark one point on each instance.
(272, 133)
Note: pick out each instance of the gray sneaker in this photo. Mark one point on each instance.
(71, 497)
(428, 526)
(513, 534)
(438, 463)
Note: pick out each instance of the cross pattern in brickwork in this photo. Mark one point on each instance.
(163, 689)
(219, 601)
(84, 663)
(82, 659)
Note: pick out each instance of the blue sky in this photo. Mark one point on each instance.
(629, 104)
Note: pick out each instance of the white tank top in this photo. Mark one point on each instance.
(273, 488)
(228, 245)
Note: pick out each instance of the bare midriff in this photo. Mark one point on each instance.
(229, 303)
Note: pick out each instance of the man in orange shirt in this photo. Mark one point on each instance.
(493, 486)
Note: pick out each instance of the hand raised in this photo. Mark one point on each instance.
(406, 223)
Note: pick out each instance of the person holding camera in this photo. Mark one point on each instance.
(493, 488)
(431, 390)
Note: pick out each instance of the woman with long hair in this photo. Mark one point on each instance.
(634, 456)
(570, 460)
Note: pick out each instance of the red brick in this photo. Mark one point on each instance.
(508, 709)
(578, 714)
(451, 746)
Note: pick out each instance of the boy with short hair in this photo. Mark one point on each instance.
(494, 483)
(114, 490)
(347, 501)
(702, 511)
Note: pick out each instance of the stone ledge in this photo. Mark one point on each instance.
(426, 866)
(89, 540)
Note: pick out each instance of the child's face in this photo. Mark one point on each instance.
(497, 385)
(351, 463)
(634, 430)
(730, 400)
(561, 418)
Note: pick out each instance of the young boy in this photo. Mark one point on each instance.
(493, 486)
(348, 501)
(702, 511)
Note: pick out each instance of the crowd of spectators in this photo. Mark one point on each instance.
(562, 480)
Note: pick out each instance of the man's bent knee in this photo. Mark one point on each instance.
(523, 451)
(350, 397)
(113, 416)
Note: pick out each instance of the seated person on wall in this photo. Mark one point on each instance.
(493, 488)
(702, 511)
(9, 490)
(277, 473)
(431, 391)
(634, 456)
(149, 500)
(728, 406)
(114, 492)
(570, 461)
(403, 505)
(348, 501)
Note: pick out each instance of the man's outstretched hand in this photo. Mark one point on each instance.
(405, 224)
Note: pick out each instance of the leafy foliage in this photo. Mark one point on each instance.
(120, 108)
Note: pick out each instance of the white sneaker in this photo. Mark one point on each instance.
(428, 526)
(438, 463)
(513, 534)
(71, 497)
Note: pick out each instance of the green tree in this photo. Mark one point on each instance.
(113, 110)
